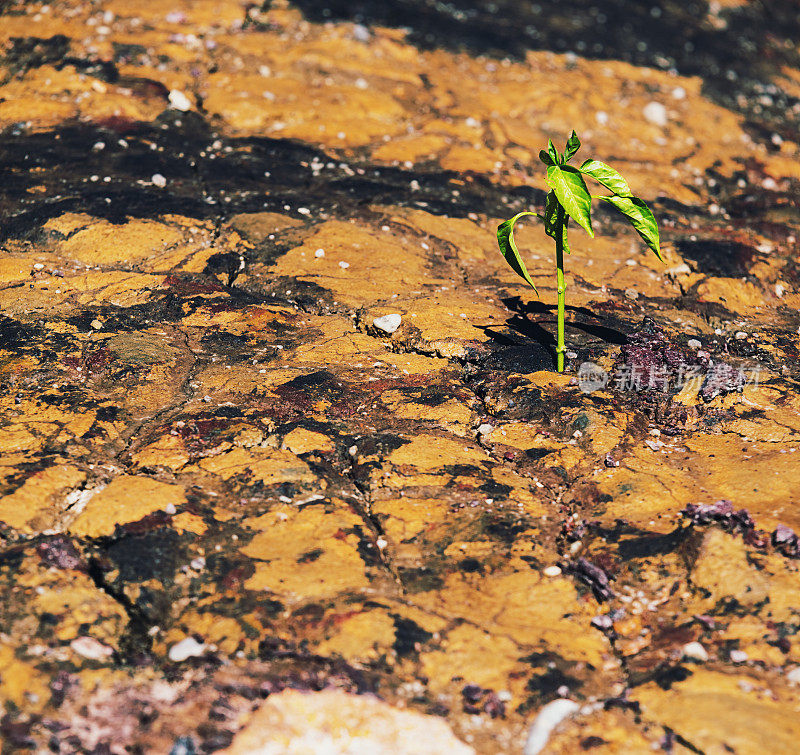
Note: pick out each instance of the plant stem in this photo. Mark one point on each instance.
(560, 233)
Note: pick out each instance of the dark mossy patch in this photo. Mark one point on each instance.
(730, 259)
(421, 579)
(209, 182)
(409, 636)
(150, 555)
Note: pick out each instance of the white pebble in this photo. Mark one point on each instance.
(793, 676)
(96, 324)
(682, 269)
(179, 101)
(694, 651)
(388, 323)
(381, 543)
(319, 253)
(740, 335)
(631, 293)
(655, 113)
(159, 180)
(601, 117)
(187, 648)
(549, 717)
(552, 571)
(39, 266)
(738, 656)
(679, 93)
(89, 647)
(694, 344)
(170, 509)
(198, 564)
(344, 265)
(485, 429)
(361, 33)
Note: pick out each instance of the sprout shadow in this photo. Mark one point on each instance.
(533, 324)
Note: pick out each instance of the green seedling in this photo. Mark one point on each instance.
(569, 198)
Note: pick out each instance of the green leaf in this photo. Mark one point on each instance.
(607, 176)
(553, 152)
(545, 158)
(570, 190)
(550, 214)
(640, 217)
(505, 239)
(573, 145)
(551, 220)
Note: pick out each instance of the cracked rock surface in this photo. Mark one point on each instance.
(284, 463)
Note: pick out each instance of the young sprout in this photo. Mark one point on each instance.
(569, 198)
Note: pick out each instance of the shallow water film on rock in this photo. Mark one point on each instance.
(285, 464)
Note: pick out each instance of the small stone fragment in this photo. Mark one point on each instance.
(694, 651)
(361, 33)
(723, 513)
(89, 647)
(738, 656)
(333, 721)
(786, 541)
(592, 576)
(603, 622)
(655, 113)
(485, 428)
(186, 648)
(552, 571)
(159, 180)
(545, 723)
(694, 344)
(61, 553)
(388, 323)
(721, 379)
(179, 101)
(183, 746)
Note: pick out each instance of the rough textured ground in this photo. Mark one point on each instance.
(223, 485)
